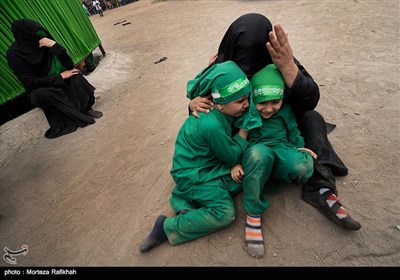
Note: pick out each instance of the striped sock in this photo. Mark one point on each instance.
(253, 236)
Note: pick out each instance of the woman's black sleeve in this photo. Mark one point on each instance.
(304, 93)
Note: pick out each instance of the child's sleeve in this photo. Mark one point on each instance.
(293, 132)
(226, 148)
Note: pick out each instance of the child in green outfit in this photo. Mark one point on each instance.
(276, 153)
(205, 152)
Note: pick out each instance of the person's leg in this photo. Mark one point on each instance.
(81, 94)
(320, 190)
(179, 203)
(313, 129)
(61, 114)
(257, 162)
(217, 211)
(292, 165)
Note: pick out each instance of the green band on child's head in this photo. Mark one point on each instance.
(266, 93)
(230, 89)
(268, 84)
(225, 81)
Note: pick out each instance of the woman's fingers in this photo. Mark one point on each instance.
(281, 35)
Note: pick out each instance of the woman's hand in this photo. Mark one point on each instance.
(201, 104)
(237, 173)
(69, 73)
(282, 54)
(46, 42)
(314, 155)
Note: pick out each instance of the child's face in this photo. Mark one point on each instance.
(268, 108)
(235, 108)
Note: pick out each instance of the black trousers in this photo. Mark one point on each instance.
(328, 164)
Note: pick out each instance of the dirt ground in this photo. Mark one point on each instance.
(89, 198)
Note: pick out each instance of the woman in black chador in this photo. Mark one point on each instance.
(50, 79)
(252, 42)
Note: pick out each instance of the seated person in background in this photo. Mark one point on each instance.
(205, 152)
(50, 79)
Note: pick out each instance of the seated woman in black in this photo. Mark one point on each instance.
(50, 79)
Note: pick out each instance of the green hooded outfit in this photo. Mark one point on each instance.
(272, 155)
(205, 152)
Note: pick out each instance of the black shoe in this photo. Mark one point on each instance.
(94, 114)
(319, 201)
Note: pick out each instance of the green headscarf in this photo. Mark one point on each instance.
(226, 82)
(268, 84)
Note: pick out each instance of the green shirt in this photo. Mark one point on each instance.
(205, 149)
(56, 67)
(279, 129)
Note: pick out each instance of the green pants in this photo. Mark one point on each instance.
(211, 209)
(264, 165)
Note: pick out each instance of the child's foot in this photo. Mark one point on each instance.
(253, 236)
(156, 236)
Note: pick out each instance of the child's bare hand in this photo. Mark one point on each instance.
(314, 155)
(243, 133)
(237, 173)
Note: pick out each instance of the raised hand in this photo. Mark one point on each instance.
(282, 54)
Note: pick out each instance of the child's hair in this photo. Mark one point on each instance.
(268, 84)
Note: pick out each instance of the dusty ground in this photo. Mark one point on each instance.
(89, 198)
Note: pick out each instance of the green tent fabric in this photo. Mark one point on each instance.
(64, 19)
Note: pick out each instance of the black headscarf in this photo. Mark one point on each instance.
(29, 62)
(244, 43)
(26, 44)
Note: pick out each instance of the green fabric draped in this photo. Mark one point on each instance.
(64, 19)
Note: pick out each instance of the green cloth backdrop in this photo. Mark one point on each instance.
(64, 19)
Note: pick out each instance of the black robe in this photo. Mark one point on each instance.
(245, 43)
(64, 102)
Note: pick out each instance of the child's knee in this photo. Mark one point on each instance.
(302, 170)
(259, 154)
(225, 216)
